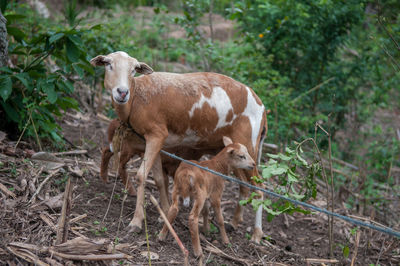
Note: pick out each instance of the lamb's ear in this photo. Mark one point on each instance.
(226, 140)
(230, 150)
(143, 68)
(100, 60)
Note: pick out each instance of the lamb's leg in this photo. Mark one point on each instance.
(172, 213)
(205, 212)
(158, 176)
(105, 159)
(123, 160)
(194, 223)
(216, 204)
(153, 147)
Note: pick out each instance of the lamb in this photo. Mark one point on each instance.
(192, 110)
(132, 145)
(200, 185)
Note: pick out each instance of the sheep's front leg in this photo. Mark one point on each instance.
(153, 146)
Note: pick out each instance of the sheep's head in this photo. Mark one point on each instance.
(120, 68)
(238, 155)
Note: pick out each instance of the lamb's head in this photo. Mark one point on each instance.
(238, 155)
(120, 69)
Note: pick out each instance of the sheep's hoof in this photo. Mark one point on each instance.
(162, 237)
(229, 228)
(132, 191)
(198, 253)
(257, 235)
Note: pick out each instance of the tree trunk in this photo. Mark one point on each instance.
(3, 41)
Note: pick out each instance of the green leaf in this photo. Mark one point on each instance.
(289, 151)
(17, 33)
(87, 67)
(56, 137)
(56, 37)
(22, 77)
(266, 173)
(346, 251)
(12, 17)
(5, 87)
(292, 177)
(78, 70)
(243, 202)
(76, 40)
(52, 95)
(6, 69)
(96, 27)
(72, 51)
(279, 171)
(302, 160)
(11, 112)
(284, 157)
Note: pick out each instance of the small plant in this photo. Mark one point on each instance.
(213, 229)
(288, 182)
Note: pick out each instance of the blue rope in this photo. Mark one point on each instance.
(296, 202)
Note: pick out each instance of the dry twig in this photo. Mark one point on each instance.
(353, 259)
(173, 233)
(63, 223)
(42, 184)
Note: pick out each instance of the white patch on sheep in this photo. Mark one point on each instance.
(221, 102)
(254, 112)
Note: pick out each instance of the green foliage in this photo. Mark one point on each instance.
(302, 40)
(32, 91)
(294, 179)
(193, 11)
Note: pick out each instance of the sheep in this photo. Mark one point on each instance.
(192, 110)
(200, 185)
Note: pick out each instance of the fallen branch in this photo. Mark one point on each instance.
(78, 218)
(41, 185)
(62, 227)
(91, 257)
(309, 261)
(7, 191)
(74, 152)
(46, 218)
(213, 249)
(23, 252)
(172, 231)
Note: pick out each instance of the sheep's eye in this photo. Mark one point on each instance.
(109, 66)
(242, 157)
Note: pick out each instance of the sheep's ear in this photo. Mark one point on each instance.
(143, 68)
(226, 140)
(230, 150)
(100, 60)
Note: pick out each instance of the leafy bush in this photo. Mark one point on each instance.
(36, 86)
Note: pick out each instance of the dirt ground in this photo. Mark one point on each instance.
(289, 240)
